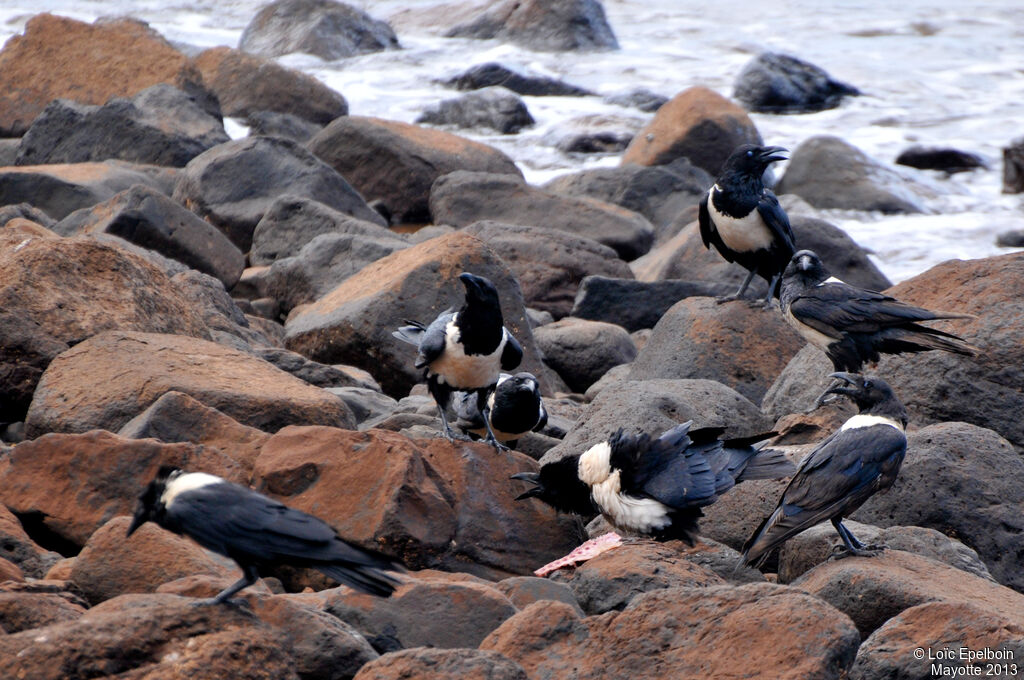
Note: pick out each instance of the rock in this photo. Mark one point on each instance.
(697, 123)
(66, 509)
(442, 664)
(368, 406)
(1013, 167)
(59, 57)
(790, 394)
(227, 323)
(523, 591)
(249, 86)
(234, 184)
(734, 516)
(25, 211)
(109, 565)
(560, 26)
(945, 159)
(423, 501)
(353, 323)
(396, 163)
(148, 218)
(8, 150)
(311, 372)
(659, 193)
(719, 559)
(293, 221)
(496, 108)
(21, 610)
(830, 173)
(640, 98)
(18, 549)
(732, 343)
(59, 190)
(9, 571)
(424, 613)
(582, 351)
(138, 368)
(773, 82)
(1013, 238)
(325, 28)
(889, 652)
(872, 590)
(176, 417)
(595, 141)
(654, 406)
(461, 198)
(284, 125)
(160, 126)
(549, 263)
(492, 74)
(636, 305)
(684, 632)
(807, 550)
(614, 578)
(57, 292)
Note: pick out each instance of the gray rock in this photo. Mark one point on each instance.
(492, 74)
(496, 108)
(1013, 167)
(370, 407)
(330, 30)
(779, 83)
(1014, 238)
(312, 372)
(25, 211)
(525, 590)
(284, 125)
(635, 305)
(543, 25)
(226, 322)
(640, 98)
(582, 351)
(939, 158)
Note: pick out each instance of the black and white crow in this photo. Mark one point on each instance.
(255, 531)
(654, 487)
(515, 407)
(842, 472)
(744, 220)
(853, 325)
(465, 350)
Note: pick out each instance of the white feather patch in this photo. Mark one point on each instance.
(811, 335)
(864, 420)
(595, 464)
(466, 371)
(187, 482)
(627, 512)
(743, 234)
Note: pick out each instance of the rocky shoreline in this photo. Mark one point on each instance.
(170, 296)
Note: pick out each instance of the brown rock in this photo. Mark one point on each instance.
(442, 664)
(16, 547)
(739, 346)
(21, 610)
(110, 565)
(939, 628)
(136, 369)
(734, 516)
(685, 633)
(396, 163)
(55, 293)
(548, 26)
(246, 84)
(872, 590)
(525, 590)
(424, 501)
(697, 123)
(60, 57)
(353, 323)
(70, 485)
(614, 578)
(9, 571)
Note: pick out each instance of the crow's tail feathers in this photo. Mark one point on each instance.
(767, 464)
(920, 338)
(410, 333)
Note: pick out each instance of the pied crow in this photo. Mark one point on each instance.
(654, 487)
(515, 408)
(839, 474)
(465, 350)
(256, 531)
(743, 220)
(853, 325)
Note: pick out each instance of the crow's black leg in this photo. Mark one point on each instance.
(441, 396)
(485, 411)
(249, 577)
(853, 547)
(739, 293)
(769, 298)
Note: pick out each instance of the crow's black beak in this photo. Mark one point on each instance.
(845, 384)
(470, 281)
(137, 521)
(532, 478)
(770, 154)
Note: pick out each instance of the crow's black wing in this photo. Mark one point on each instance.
(667, 469)
(707, 228)
(512, 355)
(834, 308)
(776, 220)
(432, 342)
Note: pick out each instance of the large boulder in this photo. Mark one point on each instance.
(442, 664)
(549, 263)
(732, 343)
(56, 292)
(17, 548)
(779, 83)
(353, 323)
(22, 609)
(160, 125)
(136, 369)
(492, 74)
(636, 305)
(148, 218)
(828, 172)
(423, 501)
(90, 63)
(396, 163)
(233, 184)
(248, 85)
(559, 26)
(496, 108)
(461, 198)
(325, 28)
(697, 123)
(717, 631)
(582, 351)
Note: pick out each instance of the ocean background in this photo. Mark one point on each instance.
(935, 73)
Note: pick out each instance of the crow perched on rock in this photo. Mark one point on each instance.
(515, 408)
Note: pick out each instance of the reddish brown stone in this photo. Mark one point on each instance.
(442, 664)
(23, 610)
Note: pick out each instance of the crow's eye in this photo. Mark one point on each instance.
(867, 384)
(750, 153)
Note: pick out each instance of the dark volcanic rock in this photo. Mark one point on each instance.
(1013, 238)
(1013, 167)
(640, 98)
(493, 74)
(637, 304)
(19, 549)
(25, 211)
(249, 86)
(582, 351)
(461, 198)
(496, 108)
(328, 29)
(161, 125)
(442, 664)
(779, 83)
(396, 163)
(285, 125)
(939, 158)
(544, 25)
(232, 185)
(149, 218)
(25, 610)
